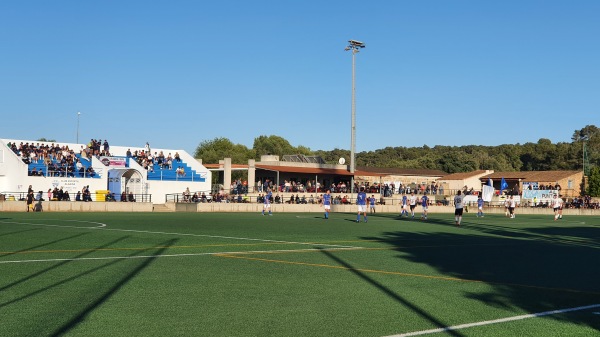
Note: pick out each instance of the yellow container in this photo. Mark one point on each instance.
(101, 195)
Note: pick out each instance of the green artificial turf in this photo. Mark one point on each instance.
(244, 274)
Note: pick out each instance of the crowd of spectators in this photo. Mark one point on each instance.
(149, 161)
(60, 161)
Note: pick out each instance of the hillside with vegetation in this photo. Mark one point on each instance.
(541, 156)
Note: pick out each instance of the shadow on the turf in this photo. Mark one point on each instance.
(392, 294)
(54, 266)
(21, 231)
(46, 244)
(113, 285)
(536, 268)
(73, 306)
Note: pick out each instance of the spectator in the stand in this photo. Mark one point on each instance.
(39, 197)
(186, 195)
(106, 147)
(169, 162)
(66, 196)
(203, 197)
(87, 196)
(177, 158)
(195, 197)
(78, 196)
(123, 196)
(131, 197)
(128, 153)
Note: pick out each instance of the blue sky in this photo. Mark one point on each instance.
(176, 73)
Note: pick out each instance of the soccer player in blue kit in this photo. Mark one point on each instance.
(480, 207)
(424, 201)
(361, 202)
(267, 203)
(404, 202)
(327, 203)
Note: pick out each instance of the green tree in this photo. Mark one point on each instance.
(594, 182)
(273, 145)
(211, 151)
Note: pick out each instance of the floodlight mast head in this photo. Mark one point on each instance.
(356, 43)
(354, 46)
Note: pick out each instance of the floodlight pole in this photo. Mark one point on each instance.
(78, 114)
(355, 47)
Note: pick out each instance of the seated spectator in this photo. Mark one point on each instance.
(66, 196)
(78, 196)
(195, 197)
(203, 197)
(177, 158)
(186, 195)
(123, 197)
(130, 197)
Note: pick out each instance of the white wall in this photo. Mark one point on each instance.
(14, 178)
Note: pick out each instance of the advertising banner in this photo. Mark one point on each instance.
(113, 161)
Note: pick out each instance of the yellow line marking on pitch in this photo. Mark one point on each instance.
(386, 272)
(232, 245)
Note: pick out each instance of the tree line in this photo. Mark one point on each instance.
(541, 156)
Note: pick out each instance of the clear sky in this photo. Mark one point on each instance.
(175, 73)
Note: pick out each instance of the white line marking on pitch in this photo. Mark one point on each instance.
(186, 234)
(179, 255)
(495, 321)
(100, 224)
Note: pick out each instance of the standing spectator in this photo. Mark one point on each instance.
(106, 148)
(29, 200)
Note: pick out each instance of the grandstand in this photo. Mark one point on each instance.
(117, 173)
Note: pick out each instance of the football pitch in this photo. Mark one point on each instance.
(296, 274)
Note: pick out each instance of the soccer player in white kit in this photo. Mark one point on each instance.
(413, 203)
(557, 205)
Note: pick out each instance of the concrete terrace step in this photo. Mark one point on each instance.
(161, 208)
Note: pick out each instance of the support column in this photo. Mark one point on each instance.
(251, 175)
(227, 174)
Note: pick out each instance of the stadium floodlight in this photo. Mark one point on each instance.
(355, 47)
(78, 114)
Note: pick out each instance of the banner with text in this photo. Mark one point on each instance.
(540, 195)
